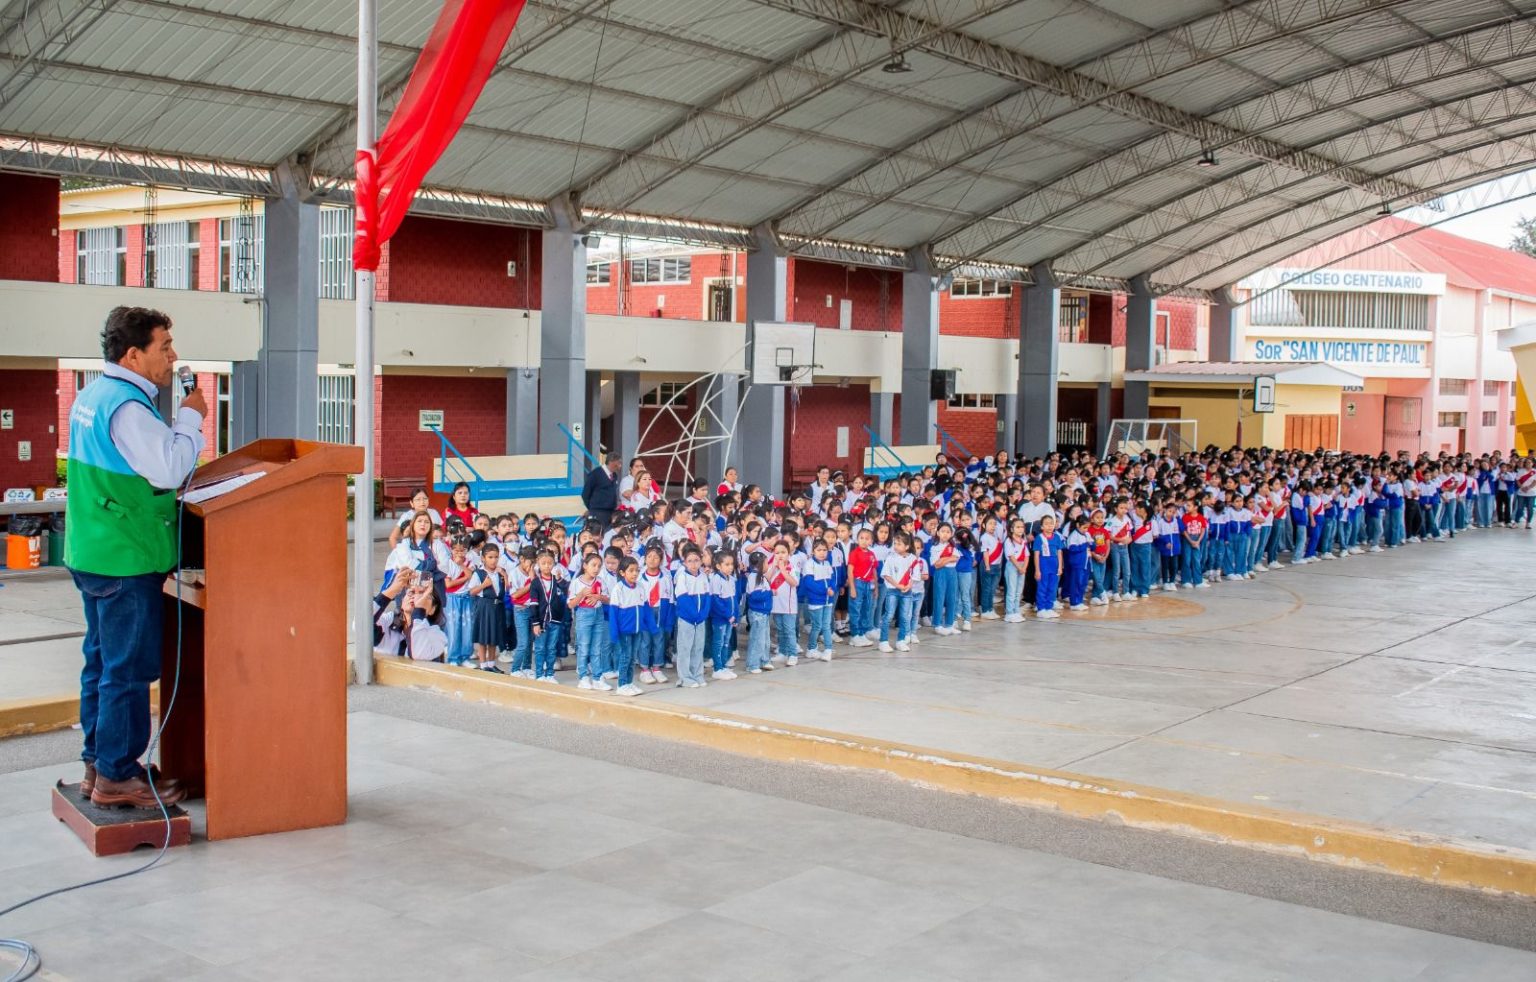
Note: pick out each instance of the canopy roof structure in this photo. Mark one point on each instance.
(1189, 142)
(1244, 373)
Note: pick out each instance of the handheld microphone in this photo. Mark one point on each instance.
(186, 379)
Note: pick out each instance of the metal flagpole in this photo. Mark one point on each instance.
(362, 386)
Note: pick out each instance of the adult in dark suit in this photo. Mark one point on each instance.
(600, 493)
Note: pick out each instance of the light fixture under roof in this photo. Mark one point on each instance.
(1385, 211)
(897, 65)
(1207, 159)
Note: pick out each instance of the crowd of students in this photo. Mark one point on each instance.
(726, 576)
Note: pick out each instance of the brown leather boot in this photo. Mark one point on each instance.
(88, 783)
(136, 793)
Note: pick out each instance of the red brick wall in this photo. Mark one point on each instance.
(434, 260)
(32, 394)
(133, 238)
(67, 257)
(975, 428)
(980, 317)
(876, 295)
(475, 419)
(660, 428)
(1183, 322)
(208, 254)
(29, 218)
(810, 428)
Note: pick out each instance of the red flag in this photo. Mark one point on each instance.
(459, 56)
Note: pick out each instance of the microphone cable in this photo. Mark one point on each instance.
(31, 959)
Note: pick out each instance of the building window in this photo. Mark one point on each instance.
(1455, 421)
(1491, 389)
(224, 414)
(599, 274)
(677, 269)
(171, 255)
(241, 248)
(1490, 417)
(1325, 308)
(101, 256)
(1454, 386)
(964, 287)
(664, 394)
(1072, 318)
(336, 229)
(82, 379)
(972, 400)
(335, 408)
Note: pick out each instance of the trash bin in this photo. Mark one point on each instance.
(56, 540)
(24, 542)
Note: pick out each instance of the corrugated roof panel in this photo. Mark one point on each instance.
(760, 31)
(710, 198)
(675, 72)
(514, 167)
(896, 225)
(780, 153)
(854, 115)
(1059, 37)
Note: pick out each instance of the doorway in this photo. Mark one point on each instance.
(720, 301)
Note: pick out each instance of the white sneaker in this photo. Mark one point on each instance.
(839, 639)
(768, 666)
(724, 675)
(1078, 607)
(965, 625)
(872, 636)
(1097, 602)
(610, 676)
(860, 641)
(989, 615)
(630, 690)
(754, 671)
(526, 673)
(731, 661)
(584, 683)
(914, 639)
(505, 657)
(1328, 556)
(598, 685)
(885, 647)
(659, 675)
(1047, 614)
(1014, 619)
(792, 661)
(1203, 585)
(927, 621)
(1376, 549)
(550, 679)
(903, 646)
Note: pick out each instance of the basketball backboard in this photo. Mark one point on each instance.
(781, 353)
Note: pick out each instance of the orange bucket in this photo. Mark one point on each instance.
(23, 551)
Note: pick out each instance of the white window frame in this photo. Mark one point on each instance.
(973, 400)
(600, 274)
(171, 263)
(228, 259)
(335, 407)
(974, 288)
(335, 272)
(101, 256)
(665, 269)
(664, 394)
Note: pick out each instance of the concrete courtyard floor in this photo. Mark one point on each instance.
(1396, 689)
(575, 852)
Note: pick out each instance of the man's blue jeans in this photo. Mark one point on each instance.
(124, 618)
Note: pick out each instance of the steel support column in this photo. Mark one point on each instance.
(1007, 421)
(919, 350)
(289, 358)
(523, 412)
(1140, 344)
(562, 328)
(1039, 341)
(761, 432)
(1224, 335)
(626, 414)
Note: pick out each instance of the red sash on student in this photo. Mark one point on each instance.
(655, 596)
(906, 578)
(995, 555)
(777, 581)
(596, 588)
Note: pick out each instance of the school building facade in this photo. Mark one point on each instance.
(1416, 316)
(460, 335)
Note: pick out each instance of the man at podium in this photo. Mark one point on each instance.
(125, 464)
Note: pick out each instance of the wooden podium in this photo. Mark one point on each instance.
(259, 725)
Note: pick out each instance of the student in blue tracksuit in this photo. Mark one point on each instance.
(759, 604)
(965, 569)
(1301, 521)
(1048, 568)
(1169, 539)
(692, 593)
(818, 594)
(1078, 544)
(723, 605)
(625, 604)
(548, 618)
